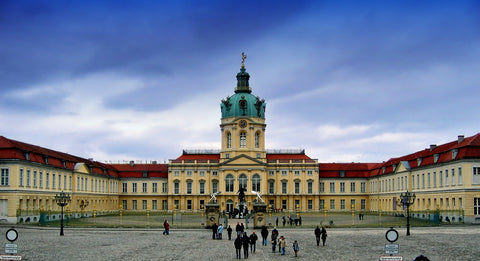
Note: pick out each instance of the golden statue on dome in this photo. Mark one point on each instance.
(244, 56)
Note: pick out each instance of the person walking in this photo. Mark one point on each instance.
(274, 238)
(276, 222)
(238, 229)
(264, 233)
(220, 231)
(253, 242)
(166, 228)
(229, 232)
(284, 221)
(238, 247)
(324, 235)
(295, 247)
(214, 231)
(246, 242)
(317, 233)
(283, 245)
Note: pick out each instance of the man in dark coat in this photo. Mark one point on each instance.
(274, 238)
(214, 230)
(253, 242)
(264, 233)
(246, 242)
(238, 247)
(324, 235)
(317, 233)
(229, 232)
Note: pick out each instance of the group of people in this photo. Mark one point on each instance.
(245, 241)
(320, 233)
(291, 221)
(217, 231)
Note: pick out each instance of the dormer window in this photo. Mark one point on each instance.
(383, 169)
(419, 162)
(394, 167)
(342, 173)
(45, 158)
(435, 158)
(454, 153)
(64, 163)
(145, 174)
(27, 155)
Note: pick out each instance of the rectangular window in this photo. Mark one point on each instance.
(154, 187)
(476, 206)
(297, 204)
(310, 187)
(342, 187)
(144, 204)
(164, 187)
(446, 177)
(332, 187)
(423, 180)
(321, 204)
(154, 204)
(176, 204)
(453, 177)
(34, 178)
(460, 178)
(189, 204)
(310, 204)
(28, 178)
(164, 204)
(134, 187)
(321, 187)
(124, 204)
(53, 180)
(214, 173)
(284, 173)
(352, 204)
(363, 204)
(352, 187)
(20, 178)
(309, 172)
(271, 187)
(284, 187)
(271, 172)
(332, 204)
(214, 187)
(134, 204)
(202, 188)
(297, 172)
(428, 179)
(434, 179)
(144, 187)
(5, 176)
(202, 173)
(284, 204)
(124, 187)
(342, 204)
(363, 187)
(176, 173)
(47, 180)
(476, 175)
(176, 188)
(189, 173)
(40, 179)
(297, 187)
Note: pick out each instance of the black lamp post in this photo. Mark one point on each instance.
(62, 200)
(408, 199)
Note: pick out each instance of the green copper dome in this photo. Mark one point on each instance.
(243, 103)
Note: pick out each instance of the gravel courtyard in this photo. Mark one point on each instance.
(437, 243)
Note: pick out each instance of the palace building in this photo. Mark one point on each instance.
(444, 178)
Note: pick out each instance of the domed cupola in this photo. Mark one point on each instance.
(243, 103)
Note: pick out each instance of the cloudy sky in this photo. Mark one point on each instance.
(359, 81)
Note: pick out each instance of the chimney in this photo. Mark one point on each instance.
(460, 138)
(433, 146)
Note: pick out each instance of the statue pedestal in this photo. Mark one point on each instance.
(260, 210)
(212, 211)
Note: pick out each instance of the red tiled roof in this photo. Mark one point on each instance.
(137, 170)
(287, 157)
(199, 157)
(350, 170)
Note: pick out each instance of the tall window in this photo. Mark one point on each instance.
(134, 187)
(40, 179)
(257, 140)
(20, 178)
(271, 187)
(310, 187)
(476, 206)
(144, 204)
(229, 183)
(189, 187)
(297, 187)
(5, 175)
(342, 186)
(165, 187)
(460, 178)
(321, 187)
(243, 139)
(256, 182)
(124, 187)
(202, 187)
(352, 187)
(215, 186)
(144, 187)
(34, 178)
(242, 181)
(134, 204)
(284, 187)
(321, 204)
(154, 187)
(332, 204)
(342, 204)
(363, 204)
(332, 187)
(28, 178)
(176, 187)
(453, 177)
(229, 140)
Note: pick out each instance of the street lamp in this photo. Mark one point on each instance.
(62, 200)
(407, 199)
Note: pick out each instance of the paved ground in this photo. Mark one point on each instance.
(437, 243)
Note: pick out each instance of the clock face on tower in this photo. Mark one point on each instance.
(242, 123)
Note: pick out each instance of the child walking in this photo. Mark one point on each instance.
(295, 247)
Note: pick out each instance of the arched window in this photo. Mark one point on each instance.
(242, 181)
(257, 139)
(229, 140)
(243, 139)
(256, 183)
(229, 183)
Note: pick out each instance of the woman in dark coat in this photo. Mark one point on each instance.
(264, 234)
(238, 247)
(324, 235)
(229, 232)
(317, 233)
(246, 243)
